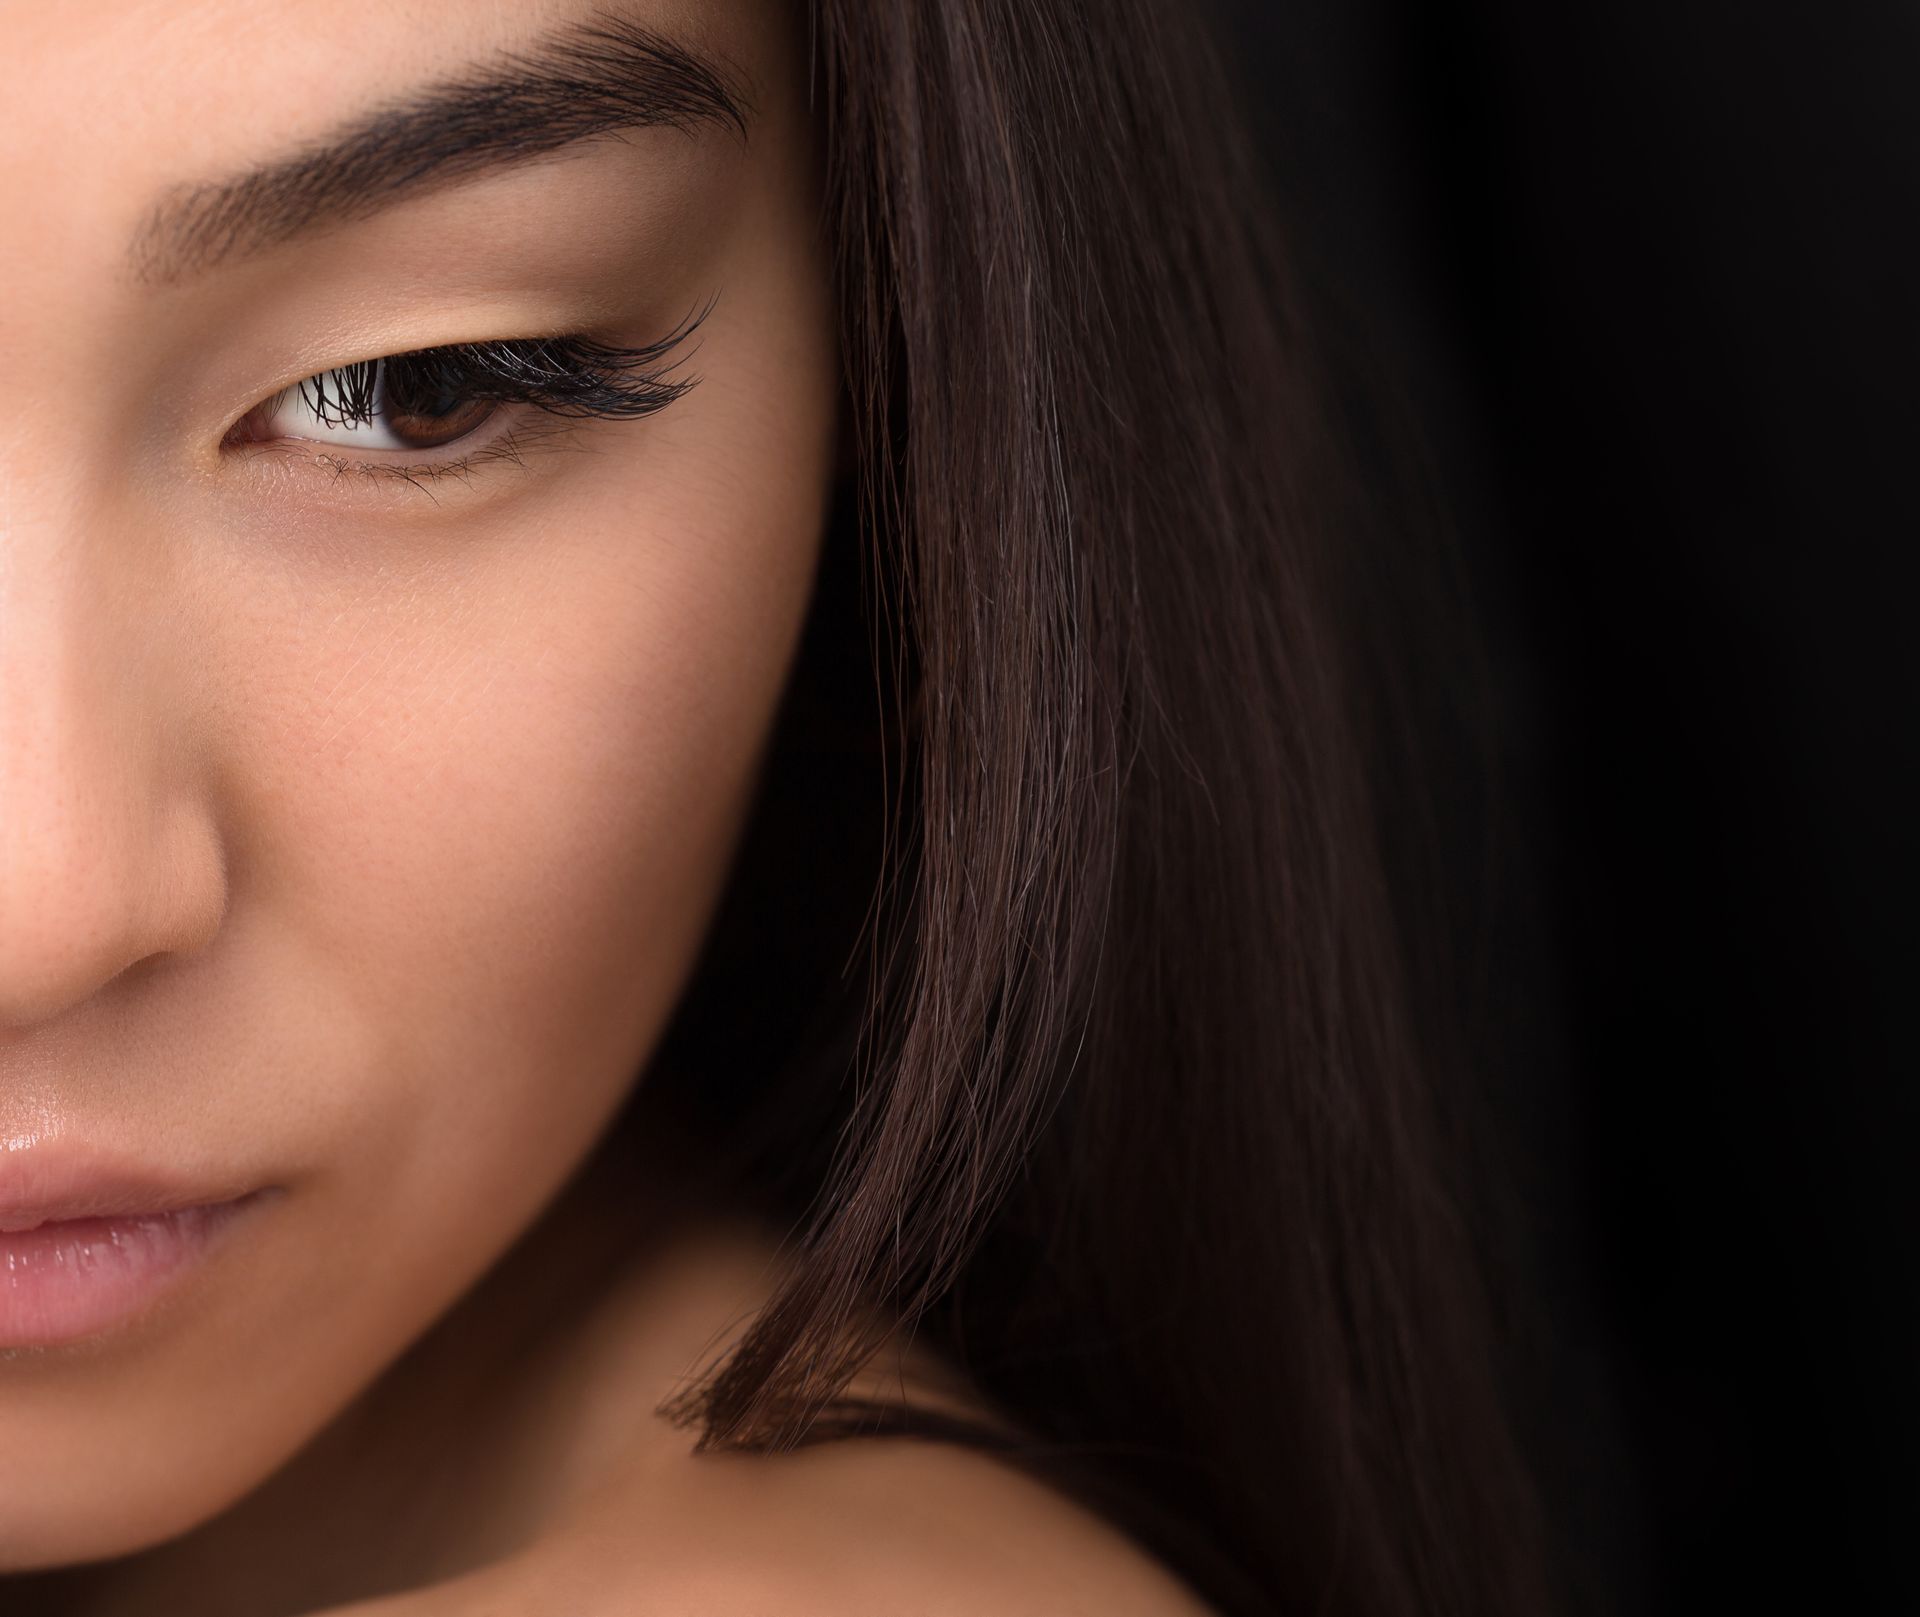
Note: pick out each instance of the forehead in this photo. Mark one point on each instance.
(106, 106)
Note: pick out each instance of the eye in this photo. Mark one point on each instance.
(404, 401)
(439, 398)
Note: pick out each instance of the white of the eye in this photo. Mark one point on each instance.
(293, 415)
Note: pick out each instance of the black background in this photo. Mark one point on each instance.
(1647, 274)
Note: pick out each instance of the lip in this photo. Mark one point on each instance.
(88, 1242)
(49, 1186)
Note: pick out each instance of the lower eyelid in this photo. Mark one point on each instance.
(528, 428)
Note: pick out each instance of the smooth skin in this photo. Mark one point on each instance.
(358, 836)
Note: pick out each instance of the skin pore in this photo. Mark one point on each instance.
(362, 822)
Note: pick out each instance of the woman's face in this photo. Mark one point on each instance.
(366, 785)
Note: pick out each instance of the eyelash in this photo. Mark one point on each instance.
(571, 377)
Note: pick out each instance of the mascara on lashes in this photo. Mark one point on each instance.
(572, 376)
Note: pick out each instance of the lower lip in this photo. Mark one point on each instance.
(78, 1277)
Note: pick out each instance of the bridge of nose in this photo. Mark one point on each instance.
(107, 854)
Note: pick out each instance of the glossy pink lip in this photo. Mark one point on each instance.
(86, 1243)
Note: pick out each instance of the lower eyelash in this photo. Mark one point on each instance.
(510, 447)
(421, 476)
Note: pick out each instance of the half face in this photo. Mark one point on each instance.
(394, 601)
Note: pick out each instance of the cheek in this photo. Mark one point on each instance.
(502, 830)
(476, 818)
(487, 815)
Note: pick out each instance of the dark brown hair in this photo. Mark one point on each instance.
(1057, 999)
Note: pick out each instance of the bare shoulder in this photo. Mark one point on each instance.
(865, 1528)
(878, 1528)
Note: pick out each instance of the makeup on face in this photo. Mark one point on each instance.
(67, 1279)
(90, 1240)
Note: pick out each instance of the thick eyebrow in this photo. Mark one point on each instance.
(587, 80)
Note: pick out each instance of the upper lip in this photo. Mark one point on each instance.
(50, 1183)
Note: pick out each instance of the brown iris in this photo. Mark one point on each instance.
(424, 413)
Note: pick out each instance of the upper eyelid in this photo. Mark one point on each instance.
(648, 364)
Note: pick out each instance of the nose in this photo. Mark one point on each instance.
(109, 859)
